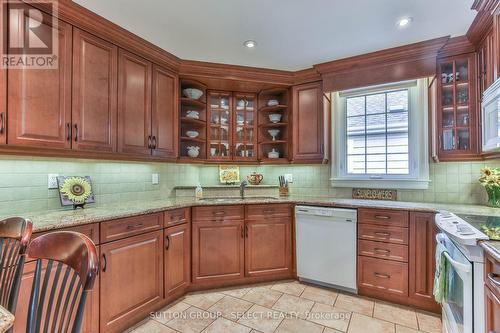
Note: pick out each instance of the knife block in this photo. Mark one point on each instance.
(284, 191)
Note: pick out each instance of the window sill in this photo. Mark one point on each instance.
(398, 184)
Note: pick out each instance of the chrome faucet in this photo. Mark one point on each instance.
(243, 184)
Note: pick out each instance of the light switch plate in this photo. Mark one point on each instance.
(155, 179)
(289, 177)
(52, 181)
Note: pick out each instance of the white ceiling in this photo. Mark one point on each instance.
(291, 34)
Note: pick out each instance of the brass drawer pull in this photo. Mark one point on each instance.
(382, 217)
(383, 276)
(135, 226)
(382, 250)
(494, 279)
(386, 234)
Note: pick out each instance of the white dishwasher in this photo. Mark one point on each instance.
(326, 246)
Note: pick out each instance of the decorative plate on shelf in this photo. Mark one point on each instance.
(75, 191)
(229, 174)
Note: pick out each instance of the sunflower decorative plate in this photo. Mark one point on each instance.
(229, 174)
(75, 191)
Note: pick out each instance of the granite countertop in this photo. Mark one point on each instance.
(492, 248)
(49, 220)
(6, 319)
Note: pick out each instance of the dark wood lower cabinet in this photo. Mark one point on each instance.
(492, 311)
(268, 247)
(218, 250)
(131, 280)
(177, 261)
(422, 261)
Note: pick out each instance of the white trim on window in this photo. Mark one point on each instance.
(418, 177)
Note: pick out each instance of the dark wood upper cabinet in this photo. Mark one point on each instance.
(268, 247)
(134, 104)
(3, 105)
(422, 260)
(95, 79)
(457, 110)
(496, 43)
(308, 123)
(486, 62)
(39, 101)
(177, 259)
(131, 280)
(165, 116)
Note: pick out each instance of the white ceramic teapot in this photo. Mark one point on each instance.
(193, 151)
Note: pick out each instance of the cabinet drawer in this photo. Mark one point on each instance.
(267, 211)
(218, 213)
(383, 275)
(122, 228)
(394, 218)
(492, 275)
(394, 235)
(383, 250)
(177, 216)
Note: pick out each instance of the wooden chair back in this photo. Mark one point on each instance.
(66, 268)
(15, 235)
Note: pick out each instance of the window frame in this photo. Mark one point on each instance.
(418, 177)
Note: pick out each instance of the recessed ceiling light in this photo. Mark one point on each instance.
(250, 44)
(404, 21)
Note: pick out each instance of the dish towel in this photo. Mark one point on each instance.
(440, 278)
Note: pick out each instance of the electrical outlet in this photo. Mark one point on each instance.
(52, 181)
(155, 179)
(289, 177)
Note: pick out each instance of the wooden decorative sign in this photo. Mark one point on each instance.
(374, 194)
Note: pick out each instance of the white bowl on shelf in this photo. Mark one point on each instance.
(192, 93)
(193, 114)
(273, 102)
(192, 134)
(273, 154)
(273, 133)
(275, 117)
(193, 151)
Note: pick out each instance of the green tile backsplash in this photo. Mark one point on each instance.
(23, 181)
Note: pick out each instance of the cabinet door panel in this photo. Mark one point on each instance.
(177, 259)
(422, 260)
(134, 104)
(492, 310)
(165, 126)
(39, 101)
(308, 122)
(131, 280)
(95, 78)
(268, 247)
(218, 251)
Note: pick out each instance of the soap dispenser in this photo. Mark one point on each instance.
(198, 192)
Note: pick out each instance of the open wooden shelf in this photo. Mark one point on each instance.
(186, 138)
(273, 125)
(193, 102)
(280, 107)
(193, 121)
(271, 142)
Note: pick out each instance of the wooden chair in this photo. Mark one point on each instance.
(66, 267)
(15, 234)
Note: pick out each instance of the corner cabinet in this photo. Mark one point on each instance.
(309, 123)
(457, 114)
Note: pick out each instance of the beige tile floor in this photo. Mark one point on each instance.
(285, 307)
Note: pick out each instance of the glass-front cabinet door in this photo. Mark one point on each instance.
(219, 125)
(457, 120)
(244, 124)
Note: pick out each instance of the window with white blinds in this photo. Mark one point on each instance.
(377, 133)
(380, 136)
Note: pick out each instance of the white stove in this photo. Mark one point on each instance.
(463, 308)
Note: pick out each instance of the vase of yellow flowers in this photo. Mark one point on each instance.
(490, 180)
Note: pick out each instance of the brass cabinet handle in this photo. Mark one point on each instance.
(68, 132)
(153, 143)
(493, 279)
(2, 123)
(242, 232)
(150, 145)
(246, 231)
(382, 217)
(168, 243)
(104, 262)
(76, 132)
(383, 276)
